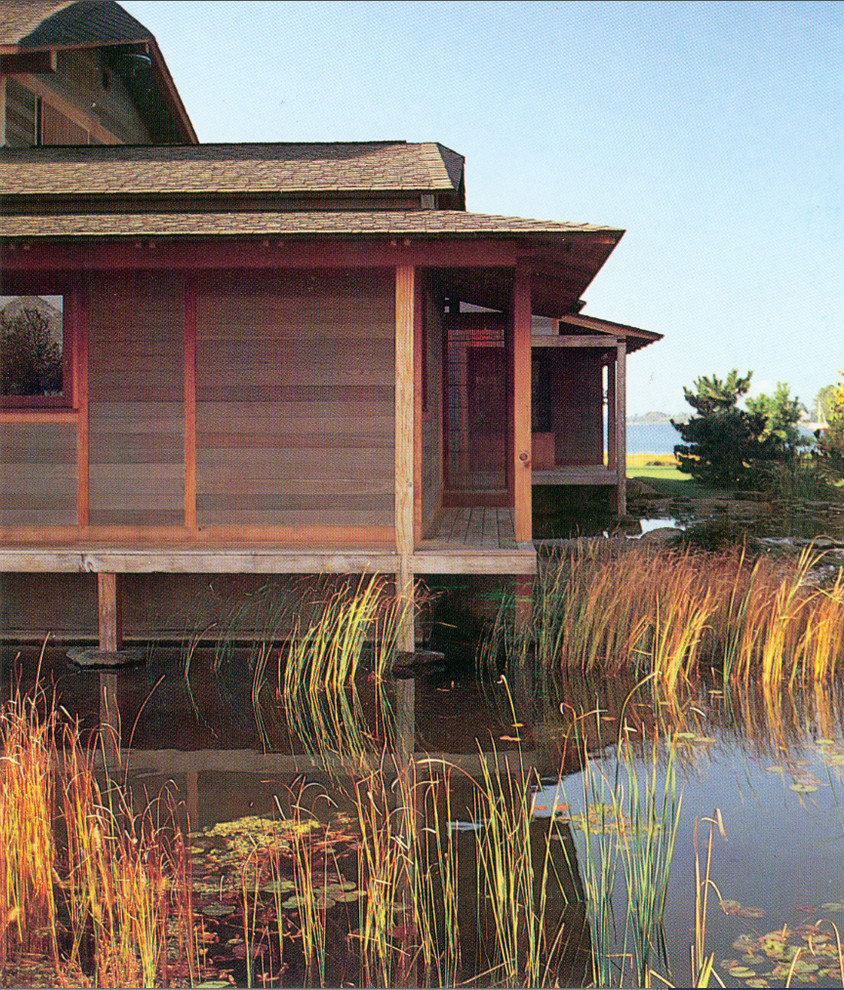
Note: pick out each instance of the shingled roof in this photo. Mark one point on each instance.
(226, 168)
(67, 23)
(338, 223)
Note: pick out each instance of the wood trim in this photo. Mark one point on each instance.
(80, 309)
(38, 416)
(190, 404)
(621, 424)
(294, 536)
(522, 440)
(251, 253)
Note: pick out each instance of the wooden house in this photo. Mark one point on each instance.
(285, 359)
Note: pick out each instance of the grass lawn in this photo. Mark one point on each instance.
(661, 473)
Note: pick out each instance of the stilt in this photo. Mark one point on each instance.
(110, 612)
(407, 596)
(524, 600)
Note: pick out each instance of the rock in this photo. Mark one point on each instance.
(93, 657)
(408, 664)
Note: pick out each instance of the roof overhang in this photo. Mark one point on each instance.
(592, 327)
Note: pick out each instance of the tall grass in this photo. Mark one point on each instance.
(669, 612)
(83, 879)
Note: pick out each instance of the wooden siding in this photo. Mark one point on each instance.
(136, 402)
(38, 474)
(294, 392)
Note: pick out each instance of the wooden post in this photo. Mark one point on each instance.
(612, 435)
(405, 451)
(110, 612)
(621, 424)
(80, 393)
(522, 474)
(190, 404)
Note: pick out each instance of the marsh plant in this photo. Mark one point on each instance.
(671, 612)
(98, 889)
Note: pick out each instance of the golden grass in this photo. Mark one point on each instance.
(83, 880)
(667, 612)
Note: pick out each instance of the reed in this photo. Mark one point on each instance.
(27, 846)
(647, 844)
(669, 612)
(516, 873)
(71, 851)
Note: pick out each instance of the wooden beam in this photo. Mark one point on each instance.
(255, 253)
(572, 340)
(523, 523)
(405, 446)
(79, 308)
(110, 612)
(621, 424)
(190, 404)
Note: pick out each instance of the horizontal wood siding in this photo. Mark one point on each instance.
(38, 474)
(136, 402)
(295, 387)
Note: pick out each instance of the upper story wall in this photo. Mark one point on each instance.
(85, 101)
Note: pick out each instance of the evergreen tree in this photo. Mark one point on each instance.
(722, 444)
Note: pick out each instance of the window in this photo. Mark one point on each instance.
(34, 351)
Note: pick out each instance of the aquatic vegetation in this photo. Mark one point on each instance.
(671, 612)
(86, 881)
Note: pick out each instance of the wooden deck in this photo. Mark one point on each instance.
(465, 541)
(474, 540)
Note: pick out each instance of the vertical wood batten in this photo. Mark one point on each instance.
(522, 474)
(621, 423)
(190, 404)
(404, 442)
(80, 309)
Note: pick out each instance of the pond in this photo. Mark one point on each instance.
(459, 826)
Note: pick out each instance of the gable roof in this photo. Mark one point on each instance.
(176, 170)
(67, 23)
(35, 26)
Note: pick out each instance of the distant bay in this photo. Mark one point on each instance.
(651, 438)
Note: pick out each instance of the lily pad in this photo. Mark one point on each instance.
(801, 788)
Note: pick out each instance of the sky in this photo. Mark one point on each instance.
(713, 133)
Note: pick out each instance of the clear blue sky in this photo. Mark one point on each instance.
(712, 132)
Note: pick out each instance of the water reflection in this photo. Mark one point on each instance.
(772, 764)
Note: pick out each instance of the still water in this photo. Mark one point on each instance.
(769, 769)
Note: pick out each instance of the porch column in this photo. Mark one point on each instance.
(522, 474)
(612, 435)
(405, 448)
(621, 423)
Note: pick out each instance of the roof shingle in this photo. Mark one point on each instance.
(320, 223)
(241, 168)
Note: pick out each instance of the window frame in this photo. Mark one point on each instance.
(27, 286)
